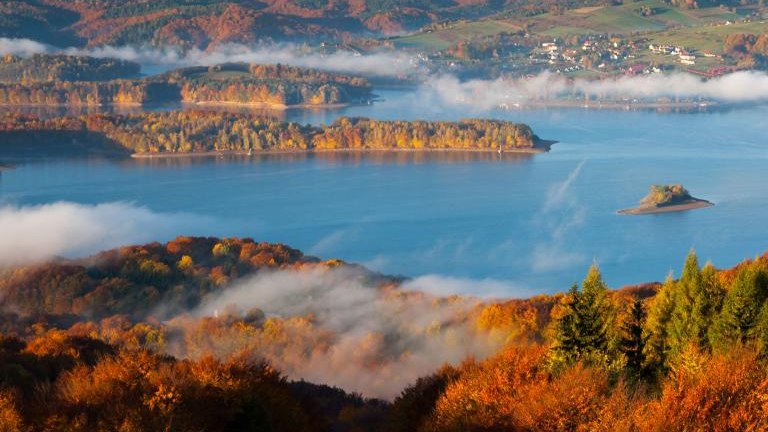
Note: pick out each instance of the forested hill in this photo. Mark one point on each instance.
(124, 341)
(45, 68)
(203, 23)
(87, 81)
(211, 131)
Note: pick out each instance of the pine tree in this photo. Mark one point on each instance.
(760, 332)
(567, 345)
(582, 331)
(594, 312)
(657, 326)
(683, 312)
(687, 293)
(742, 307)
(633, 339)
(708, 305)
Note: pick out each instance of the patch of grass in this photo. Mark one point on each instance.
(625, 19)
(617, 20)
(706, 38)
(444, 38)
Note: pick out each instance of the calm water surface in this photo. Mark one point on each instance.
(535, 221)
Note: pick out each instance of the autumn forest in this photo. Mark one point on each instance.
(70, 80)
(211, 131)
(121, 341)
(383, 216)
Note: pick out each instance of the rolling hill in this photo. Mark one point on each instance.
(205, 23)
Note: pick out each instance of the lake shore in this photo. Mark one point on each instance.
(685, 206)
(612, 105)
(535, 150)
(270, 105)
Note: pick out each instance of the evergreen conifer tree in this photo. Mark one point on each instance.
(742, 307)
(686, 295)
(582, 331)
(657, 326)
(633, 339)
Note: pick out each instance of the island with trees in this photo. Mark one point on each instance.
(63, 80)
(665, 199)
(271, 85)
(217, 133)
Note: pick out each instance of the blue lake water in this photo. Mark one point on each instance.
(534, 221)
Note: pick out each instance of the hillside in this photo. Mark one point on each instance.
(45, 68)
(630, 38)
(208, 332)
(87, 81)
(205, 23)
(269, 84)
(643, 16)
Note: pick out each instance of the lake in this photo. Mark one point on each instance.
(533, 222)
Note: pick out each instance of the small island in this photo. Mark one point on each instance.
(666, 199)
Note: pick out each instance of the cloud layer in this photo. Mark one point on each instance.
(447, 90)
(367, 339)
(157, 59)
(483, 95)
(341, 61)
(36, 233)
(22, 47)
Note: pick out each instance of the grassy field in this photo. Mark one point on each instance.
(623, 19)
(707, 38)
(444, 38)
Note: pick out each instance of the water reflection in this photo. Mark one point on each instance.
(392, 104)
(350, 158)
(51, 111)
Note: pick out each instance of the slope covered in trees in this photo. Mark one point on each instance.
(269, 84)
(205, 131)
(748, 50)
(85, 93)
(85, 346)
(44, 68)
(211, 22)
(206, 23)
(80, 80)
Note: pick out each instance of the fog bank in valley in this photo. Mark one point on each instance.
(22, 47)
(36, 233)
(364, 338)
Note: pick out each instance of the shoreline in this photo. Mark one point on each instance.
(690, 205)
(526, 105)
(215, 153)
(611, 105)
(269, 105)
(69, 105)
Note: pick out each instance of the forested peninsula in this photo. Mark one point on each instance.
(210, 132)
(64, 80)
